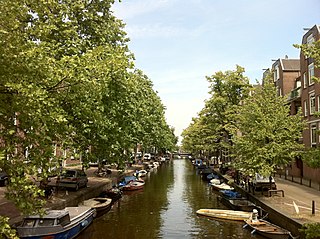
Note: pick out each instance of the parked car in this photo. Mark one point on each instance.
(3, 178)
(260, 182)
(73, 178)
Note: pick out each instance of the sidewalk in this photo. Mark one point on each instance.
(62, 197)
(296, 193)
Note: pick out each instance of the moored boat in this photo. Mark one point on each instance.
(267, 229)
(133, 185)
(225, 214)
(114, 193)
(126, 180)
(140, 173)
(101, 205)
(240, 204)
(222, 186)
(66, 223)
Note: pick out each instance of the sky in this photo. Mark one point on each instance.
(177, 43)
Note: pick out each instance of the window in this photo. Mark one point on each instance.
(276, 73)
(312, 103)
(305, 80)
(45, 222)
(318, 101)
(305, 106)
(310, 73)
(279, 91)
(313, 134)
(310, 39)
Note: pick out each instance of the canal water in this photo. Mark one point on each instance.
(166, 208)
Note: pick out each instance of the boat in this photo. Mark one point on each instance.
(101, 205)
(215, 181)
(230, 193)
(221, 186)
(114, 193)
(212, 176)
(140, 173)
(240, 204)
(267, 229)
(225, 214)
(133, 185)
(126, 180)
(66, 223)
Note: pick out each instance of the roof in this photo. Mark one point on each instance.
(290, 64)
(51, 214)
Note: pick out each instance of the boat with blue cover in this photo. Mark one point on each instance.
(56, 224)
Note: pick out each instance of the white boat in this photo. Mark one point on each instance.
(225, 214)
(215, 181)
(222, 186)
(140, 173)
(66, 223)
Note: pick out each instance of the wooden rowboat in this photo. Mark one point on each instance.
(101, 205)
(267, 229)
(225, 214)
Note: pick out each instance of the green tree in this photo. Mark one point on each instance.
(311, 230)
(65, 81)
(212, 129)
(266, 135)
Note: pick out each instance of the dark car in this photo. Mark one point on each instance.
(73, 178)
(3, 178)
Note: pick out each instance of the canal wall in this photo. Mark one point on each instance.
(274, 215)
(68, 198)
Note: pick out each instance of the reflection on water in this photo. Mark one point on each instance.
(166, 208)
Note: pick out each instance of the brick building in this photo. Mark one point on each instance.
(294, 78)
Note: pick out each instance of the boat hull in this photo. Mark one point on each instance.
(101, 205)
(57, 232)
(239, 204)
(225, 214)
(268, 229)
(135, 185)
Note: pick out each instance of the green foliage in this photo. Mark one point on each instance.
(211, 130)
(5, 230)
(267, 136)
(67, 82)
(311, 50)
(312, 157)
(311, 230)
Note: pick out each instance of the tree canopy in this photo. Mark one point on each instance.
(68, 82)
(210, 131)
(265, 136)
